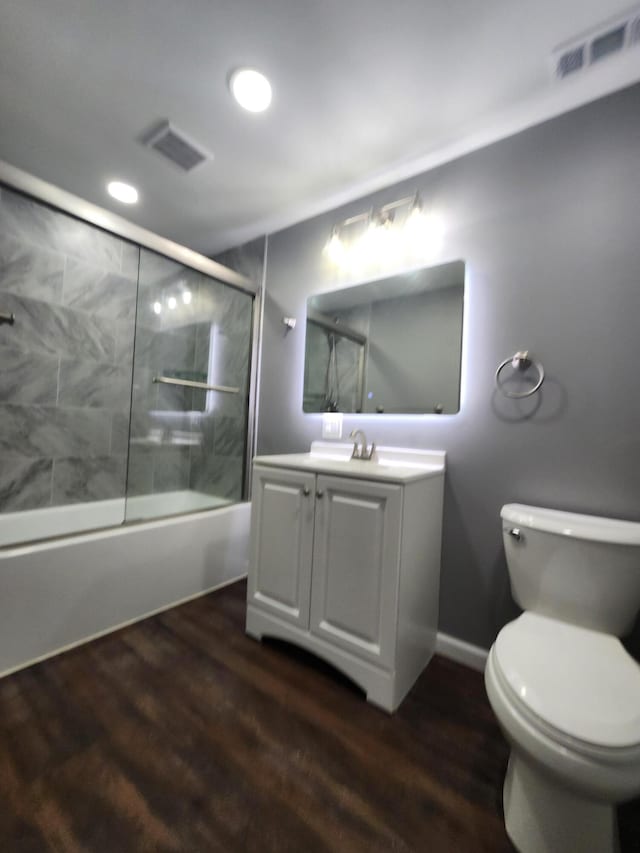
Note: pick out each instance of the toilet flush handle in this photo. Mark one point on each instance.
(516, 534)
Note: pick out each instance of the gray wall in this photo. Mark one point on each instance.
(65, 366)
(548, 223)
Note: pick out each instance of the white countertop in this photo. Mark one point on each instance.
(390, 464)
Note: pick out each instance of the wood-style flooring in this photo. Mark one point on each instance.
(180, 733)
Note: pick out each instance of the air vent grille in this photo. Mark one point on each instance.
(175, 146)
(634, 31)
(608, 39)
(610, 42)
(571, 61)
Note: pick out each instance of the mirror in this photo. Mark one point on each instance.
(390, 346)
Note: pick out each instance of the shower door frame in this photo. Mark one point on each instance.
(49, 194)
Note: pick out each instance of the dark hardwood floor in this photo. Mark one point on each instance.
(182, 734)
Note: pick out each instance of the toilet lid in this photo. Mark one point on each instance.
(581, 682)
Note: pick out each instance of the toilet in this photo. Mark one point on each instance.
(565, 691)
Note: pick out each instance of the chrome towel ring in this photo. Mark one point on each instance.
(520, 361)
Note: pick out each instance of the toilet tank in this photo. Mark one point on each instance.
(576, 568)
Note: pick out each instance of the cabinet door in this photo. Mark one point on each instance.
(281, 542)
(356, 565)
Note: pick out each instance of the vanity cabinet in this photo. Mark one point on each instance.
(282, 522)
(348, 567)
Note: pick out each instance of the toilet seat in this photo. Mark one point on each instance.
(580, 687)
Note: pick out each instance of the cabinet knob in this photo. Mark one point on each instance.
(319, 494)
(306, 491)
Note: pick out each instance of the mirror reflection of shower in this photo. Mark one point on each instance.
(332, 379)
(334, 366)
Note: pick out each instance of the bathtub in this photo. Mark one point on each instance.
(59, 593)
(20, 527)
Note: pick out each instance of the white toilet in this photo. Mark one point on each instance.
(565, 691)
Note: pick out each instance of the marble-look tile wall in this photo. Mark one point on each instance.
(65, 365)
(191, 327)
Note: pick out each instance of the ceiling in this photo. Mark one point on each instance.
(365, 93)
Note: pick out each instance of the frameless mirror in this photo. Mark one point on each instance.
(390, 346)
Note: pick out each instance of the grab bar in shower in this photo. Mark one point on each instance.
(188, 383)
(7, 318)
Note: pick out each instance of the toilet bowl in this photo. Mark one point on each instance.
(564, 690)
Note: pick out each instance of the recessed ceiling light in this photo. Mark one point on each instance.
(122, 192)
(251, 89)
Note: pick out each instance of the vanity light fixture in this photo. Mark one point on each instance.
(416, 206)
(386, 239)
(335, 248)
(251, 89)
(122, 192)
(172, 302)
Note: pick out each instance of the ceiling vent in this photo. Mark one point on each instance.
(175, 146)
(613, 37)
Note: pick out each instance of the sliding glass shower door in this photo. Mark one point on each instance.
(67, 307)
(189, 414)
(124, 379)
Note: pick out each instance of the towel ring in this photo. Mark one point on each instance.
(520, 361)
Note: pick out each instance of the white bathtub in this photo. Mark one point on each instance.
(32, 525)
(57, 594)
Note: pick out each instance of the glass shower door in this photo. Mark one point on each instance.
(189, 416)
(67, 307)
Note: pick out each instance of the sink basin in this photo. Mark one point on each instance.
(394, 464)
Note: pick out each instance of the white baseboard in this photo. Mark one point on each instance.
(472, 656)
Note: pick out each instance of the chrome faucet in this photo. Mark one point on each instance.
(363, 452)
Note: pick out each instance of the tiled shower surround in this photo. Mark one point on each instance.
(66, 367)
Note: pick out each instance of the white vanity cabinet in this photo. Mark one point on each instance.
(345, 561)
(282, 522)
(356, 548)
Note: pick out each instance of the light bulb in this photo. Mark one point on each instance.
(368, 245)
(335, 249)
(122, 192)
(172, 302)
(186, 297)
(387, 244)
(157, 308)
(251, 89)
